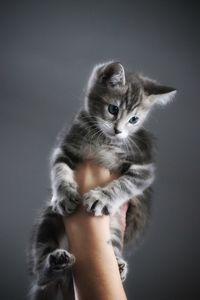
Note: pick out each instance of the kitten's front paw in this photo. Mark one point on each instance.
(97, 202)
(123, 268)
(65, 205)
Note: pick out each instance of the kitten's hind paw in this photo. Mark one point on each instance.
(123, 268)
(57, 264)
(60, 259)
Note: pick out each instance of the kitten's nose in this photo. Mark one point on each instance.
(117, 131)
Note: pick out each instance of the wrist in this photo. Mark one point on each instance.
(81, 227)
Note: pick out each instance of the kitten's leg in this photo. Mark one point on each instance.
(117, 243)
(137, 217)
(49, 292)
(65, 195)
(48, 262)
(108, 199)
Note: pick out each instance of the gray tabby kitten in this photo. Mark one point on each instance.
(108, 130)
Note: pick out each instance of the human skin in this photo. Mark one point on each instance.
(96, 274)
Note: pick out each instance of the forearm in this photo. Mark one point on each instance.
(96, 272)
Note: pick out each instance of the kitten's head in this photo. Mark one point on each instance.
(120, 101)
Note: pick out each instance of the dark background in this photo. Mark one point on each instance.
(47, 50)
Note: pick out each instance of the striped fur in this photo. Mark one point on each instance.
(129, 153)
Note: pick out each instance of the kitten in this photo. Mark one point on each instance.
(108, 130)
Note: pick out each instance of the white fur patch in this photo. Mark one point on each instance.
(56, 152)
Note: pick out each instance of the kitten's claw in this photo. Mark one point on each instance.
(123, 268)
(66, 205)
(60, 259)
(97, 203)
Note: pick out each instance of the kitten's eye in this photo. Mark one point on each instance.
(113, 109)
(133, 120)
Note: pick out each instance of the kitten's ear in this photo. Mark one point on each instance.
(112, 74)
(157, 93)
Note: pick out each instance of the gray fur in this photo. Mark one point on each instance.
(113, 142)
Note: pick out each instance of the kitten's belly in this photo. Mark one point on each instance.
(104, 156)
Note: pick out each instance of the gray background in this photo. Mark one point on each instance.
(47, 50)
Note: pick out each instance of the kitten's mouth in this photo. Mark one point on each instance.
(116, 136)
(113, 133)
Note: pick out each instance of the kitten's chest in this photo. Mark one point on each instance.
(107, 155)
